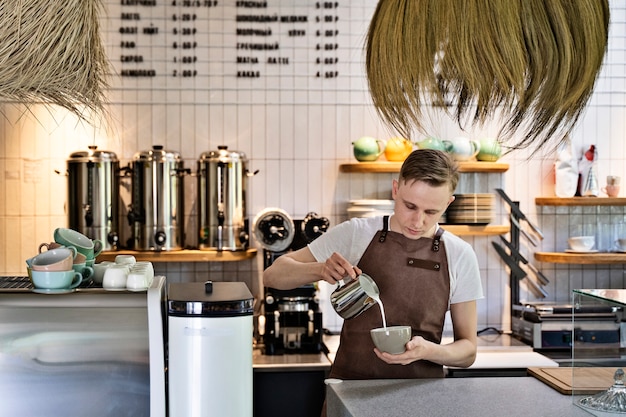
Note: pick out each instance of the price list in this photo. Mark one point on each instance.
(234, 45)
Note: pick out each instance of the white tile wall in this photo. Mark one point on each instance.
(296, 131)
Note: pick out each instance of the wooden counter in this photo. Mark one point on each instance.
(185, 255)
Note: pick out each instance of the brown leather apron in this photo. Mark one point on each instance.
(414, 284)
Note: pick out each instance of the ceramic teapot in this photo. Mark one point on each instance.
(367, 149)
(398, 149)
(462, 148)
(432, 143)
(490, 150)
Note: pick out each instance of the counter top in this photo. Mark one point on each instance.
(296, 362)
(473, 397)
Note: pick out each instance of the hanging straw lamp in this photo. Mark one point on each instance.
(532, 63)
(51, 53)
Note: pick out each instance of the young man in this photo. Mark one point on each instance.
(421, 273)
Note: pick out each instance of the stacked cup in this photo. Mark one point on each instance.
(88, 247)
(86, 250)
(52, 271)
(126, 274)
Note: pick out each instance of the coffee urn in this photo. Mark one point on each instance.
(157, 212)
(210, 349)
(222, 185)
(93, 195)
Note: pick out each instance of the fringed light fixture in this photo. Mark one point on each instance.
(532, 62)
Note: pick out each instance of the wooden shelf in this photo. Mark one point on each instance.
(581, 258)
(580, 201)
(186, 255)
(392, 167)
(468, 230)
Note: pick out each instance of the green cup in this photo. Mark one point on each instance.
(56, 280)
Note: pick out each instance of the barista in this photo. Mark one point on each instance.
(422, 272)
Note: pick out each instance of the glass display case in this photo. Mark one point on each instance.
(599, 351)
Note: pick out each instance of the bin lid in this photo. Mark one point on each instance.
(227, 299)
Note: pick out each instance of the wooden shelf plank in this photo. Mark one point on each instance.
(580, 201)
(581, 258)
(187, 255)
(468, 230)
(393, 167)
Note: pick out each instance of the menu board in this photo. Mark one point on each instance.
(236, 45)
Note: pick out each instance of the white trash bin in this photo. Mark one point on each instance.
(210, 349)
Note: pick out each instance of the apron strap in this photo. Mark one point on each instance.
(383, 234)
(437, 239)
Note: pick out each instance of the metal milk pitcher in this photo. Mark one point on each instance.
(349, 300)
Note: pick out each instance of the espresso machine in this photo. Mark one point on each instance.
(292, 319)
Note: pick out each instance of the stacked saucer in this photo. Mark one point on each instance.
(473, 209)
(370, 208)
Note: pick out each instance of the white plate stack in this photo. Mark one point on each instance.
(370, 208)
(472, 208)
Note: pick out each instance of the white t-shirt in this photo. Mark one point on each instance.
(351, 238)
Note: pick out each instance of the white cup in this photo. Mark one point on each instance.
(137, 281)
(147, 267)
(621, 244)
(125, 259)
(581, 243)
(115, 277)
(99, 269)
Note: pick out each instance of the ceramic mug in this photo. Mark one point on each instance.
(56, 280)
(60, 259)
(88, 247)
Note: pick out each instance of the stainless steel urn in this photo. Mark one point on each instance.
(222, 187)
(93, 195)
(157, 209)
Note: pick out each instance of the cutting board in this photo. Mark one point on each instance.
(588, 380)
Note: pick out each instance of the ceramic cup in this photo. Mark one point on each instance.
(125, 259)
(581, 243)
(48, 246)
(60, 259)
(115, 277)
(56, 280)
(393, 339)
(80, 258)
(85, 270)
(611, 190)
(68, 237)
(613, 180)
(621, 244)
(99, 269)
(147, 267)
(137, 281)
